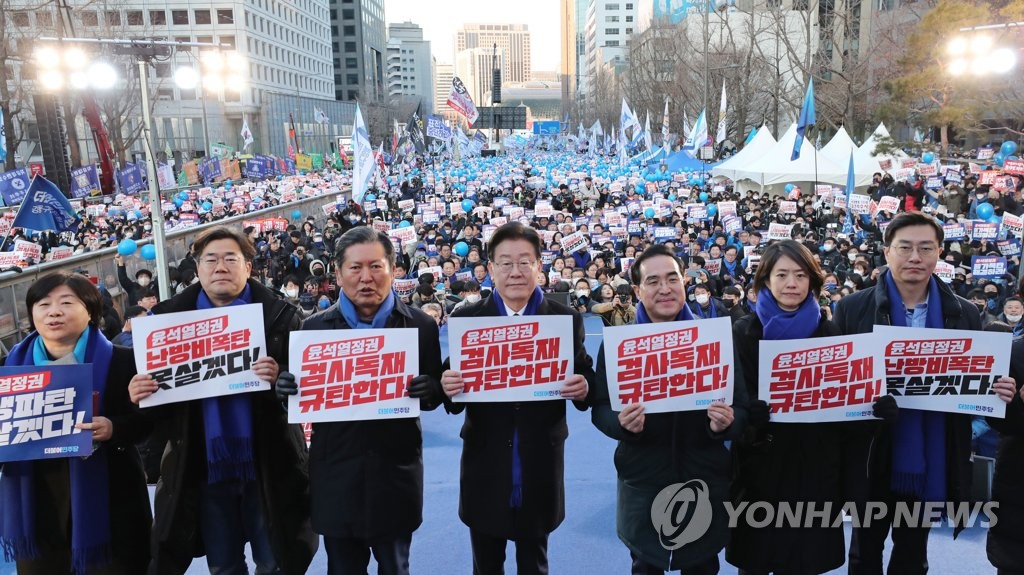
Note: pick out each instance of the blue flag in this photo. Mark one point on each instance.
(850, 182)
(130, 179)
(3, 138)
(13, 185)
(46, 208)
(85, 181)
(807, 118)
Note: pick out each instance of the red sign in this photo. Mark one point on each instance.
(1015, 167)
(36, 169)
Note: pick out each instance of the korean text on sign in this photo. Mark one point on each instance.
(511, 359)
(673, 366)
(819, 380)
(203, 353)
(944, 370)
(353, 374)
(39, 408)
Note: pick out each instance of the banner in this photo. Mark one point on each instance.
(525, 358)
(304, 162)
(1013, 224)
(889, 204)
(165, 177)
(787, 207)
(859, 203)
(574, 242)
(436, 128)
(202, 353)
(39, 408)
(819, 380)
(85, 181)
(953, 231)
(670, 366)
(14, 185)
(777, 231)
(460, 101)
(1014, 167)
(351, 375)
(984, 231)
(209, 169)
(988, 267)
(130, 179)
(945, 370)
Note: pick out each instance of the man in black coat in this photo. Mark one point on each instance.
(212, 504)
(513, 453)
(912, 241)
(367, 476)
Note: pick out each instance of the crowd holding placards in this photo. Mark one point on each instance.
(499, 255)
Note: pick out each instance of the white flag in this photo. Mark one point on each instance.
(665, 129)
(698, 136)
(628, 118)
(647, 132)
(246, 134)
(722, 118)
(3, 138)
(362, 164)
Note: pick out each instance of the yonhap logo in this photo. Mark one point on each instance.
(681, 513)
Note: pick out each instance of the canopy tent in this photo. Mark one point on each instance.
(838, 150)
(868, 147)
(682, 162)
(646, 156)
(775, 166)
(735, 168)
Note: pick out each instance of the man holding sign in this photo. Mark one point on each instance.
(917, 455)
(233, 469)
(659, 450)
(513, 452)
(366, 476)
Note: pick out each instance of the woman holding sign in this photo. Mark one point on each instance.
(785, 463)
(90, 514)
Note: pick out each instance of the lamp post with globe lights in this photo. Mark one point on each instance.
(220, 72)
(976, 52)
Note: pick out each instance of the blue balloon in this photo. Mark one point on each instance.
(995, 219)
(296, 215)
(649, 212)
(467, 206)
(178, 202)
(1008, 148)
(404, 224)
(207, 206)
(703, 196)
(148, 252)
(126, 247)
(984, 210)
(369, 197)
(712, 210)
(1014, 158)
(927, 157)
(998, 159)
(671, 197)
(462, 248)
(789, 188)
(182, 196)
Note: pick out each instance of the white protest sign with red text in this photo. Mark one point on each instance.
(202, 353)
(574, 242)
(355, 374)
(526, 358)
(819, 380)
(670, 366)
(944, 369)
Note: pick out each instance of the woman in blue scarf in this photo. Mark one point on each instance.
(78, 515)
(785, 462)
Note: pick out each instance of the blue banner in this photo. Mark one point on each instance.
(257, 167)
(46, 208)
(13, 186)
(39, 408)
(85, 181)
(988, 267)
(548, 128)
(1008, 247)
(290, 165)
(209, 170)
(130, 179)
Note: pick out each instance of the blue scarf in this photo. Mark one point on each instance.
(919, 437)
(227, 421)
(351, 317)
(711, 313)
(642, 317)
(779, 324)
(515, 500)
(89, 479)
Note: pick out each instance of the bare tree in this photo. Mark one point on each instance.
(15, 44)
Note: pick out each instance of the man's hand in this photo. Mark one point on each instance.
(721, 416)
(286, 385)
(575, 388)
(423, 386)
(118, 259)
(141, 386)
(1005, 388)
(102, 428)
(758, 413)
(451, 382)
(885, 408)
(631, 418)
(266, 368)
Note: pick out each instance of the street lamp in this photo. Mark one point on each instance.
(217, 66)
(71, 67)
(976, 52)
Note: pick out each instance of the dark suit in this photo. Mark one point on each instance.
(487, 461)
(367, 476)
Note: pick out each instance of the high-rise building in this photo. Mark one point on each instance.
(513, 39)
(567, 65)
(609, 26)
(360, 44)
(443, 74)
(410, 70)
(474, 67)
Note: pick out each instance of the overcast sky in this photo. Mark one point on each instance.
(440, 19)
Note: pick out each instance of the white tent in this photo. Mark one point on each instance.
(775, 166)
(868, 147)
(735, 168)
(838, 150)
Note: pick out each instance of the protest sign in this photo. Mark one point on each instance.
(859, 203)
(574, 242)
(889, 204)
(29, 251)
(1009, 247)
(953, 231)
(39, 408)
(664, 233)
(988, 267)
(670, 366)
(713, 266)
(350, 375)
(405, 287)
(727, 209)
(819, 380)
(944, 270)
(697, 212)
(1015, 167)
(1013, 224)
(61, 253)
(202, 353)
(732, 224)
(777, 231)
(986, 153)
(787, 207)
(944, 370)
(526, 358)
(984, 231)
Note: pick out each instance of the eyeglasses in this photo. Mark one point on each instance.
(506, 267)
(230, 260)
(923, 250)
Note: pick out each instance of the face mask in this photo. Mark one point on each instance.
(729, 303)
(582, 293)
(981, 307)
(291, 292)
(829, 247)
(1013, 318)
(147, 227)
(991, 295)
(702, 299)
(473, 297)
(143, 281)
(850, 284)
(852, 257)
(830, 286)
(354, 219)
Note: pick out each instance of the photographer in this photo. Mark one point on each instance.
(619, 310)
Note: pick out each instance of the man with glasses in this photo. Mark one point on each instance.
(915, 456)
(513, 453)
(233, 469)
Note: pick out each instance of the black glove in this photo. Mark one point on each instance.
(423, 386)
(885, 408)
(758, 413)
(285, 386)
